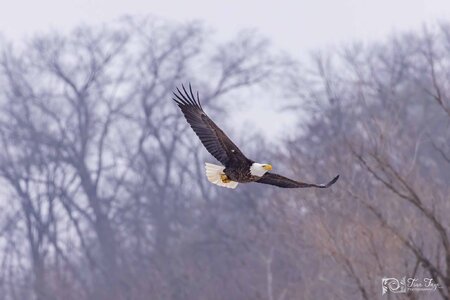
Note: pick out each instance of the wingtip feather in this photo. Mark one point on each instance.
(333, 181)
(188, 97)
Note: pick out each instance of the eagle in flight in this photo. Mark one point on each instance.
(236, 168)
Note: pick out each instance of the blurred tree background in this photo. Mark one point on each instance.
(103, 188)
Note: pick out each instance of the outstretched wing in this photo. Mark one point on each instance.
(212, 137)
(284, 182)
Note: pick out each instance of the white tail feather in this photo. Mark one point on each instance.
(213, 173)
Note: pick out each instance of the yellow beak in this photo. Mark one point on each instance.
(267, 167)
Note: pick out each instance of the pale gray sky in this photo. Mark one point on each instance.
(295, 26)
(292, 25)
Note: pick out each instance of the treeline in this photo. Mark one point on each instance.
(103, 189)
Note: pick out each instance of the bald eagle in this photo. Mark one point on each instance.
(236, 168)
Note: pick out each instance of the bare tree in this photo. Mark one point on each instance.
(110, 185)
(381, 111)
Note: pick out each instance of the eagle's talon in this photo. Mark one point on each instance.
(224, 178)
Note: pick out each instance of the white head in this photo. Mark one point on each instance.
(257, 169)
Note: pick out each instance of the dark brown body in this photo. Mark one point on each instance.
(240, 173)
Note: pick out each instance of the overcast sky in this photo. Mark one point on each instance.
(295, 26)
